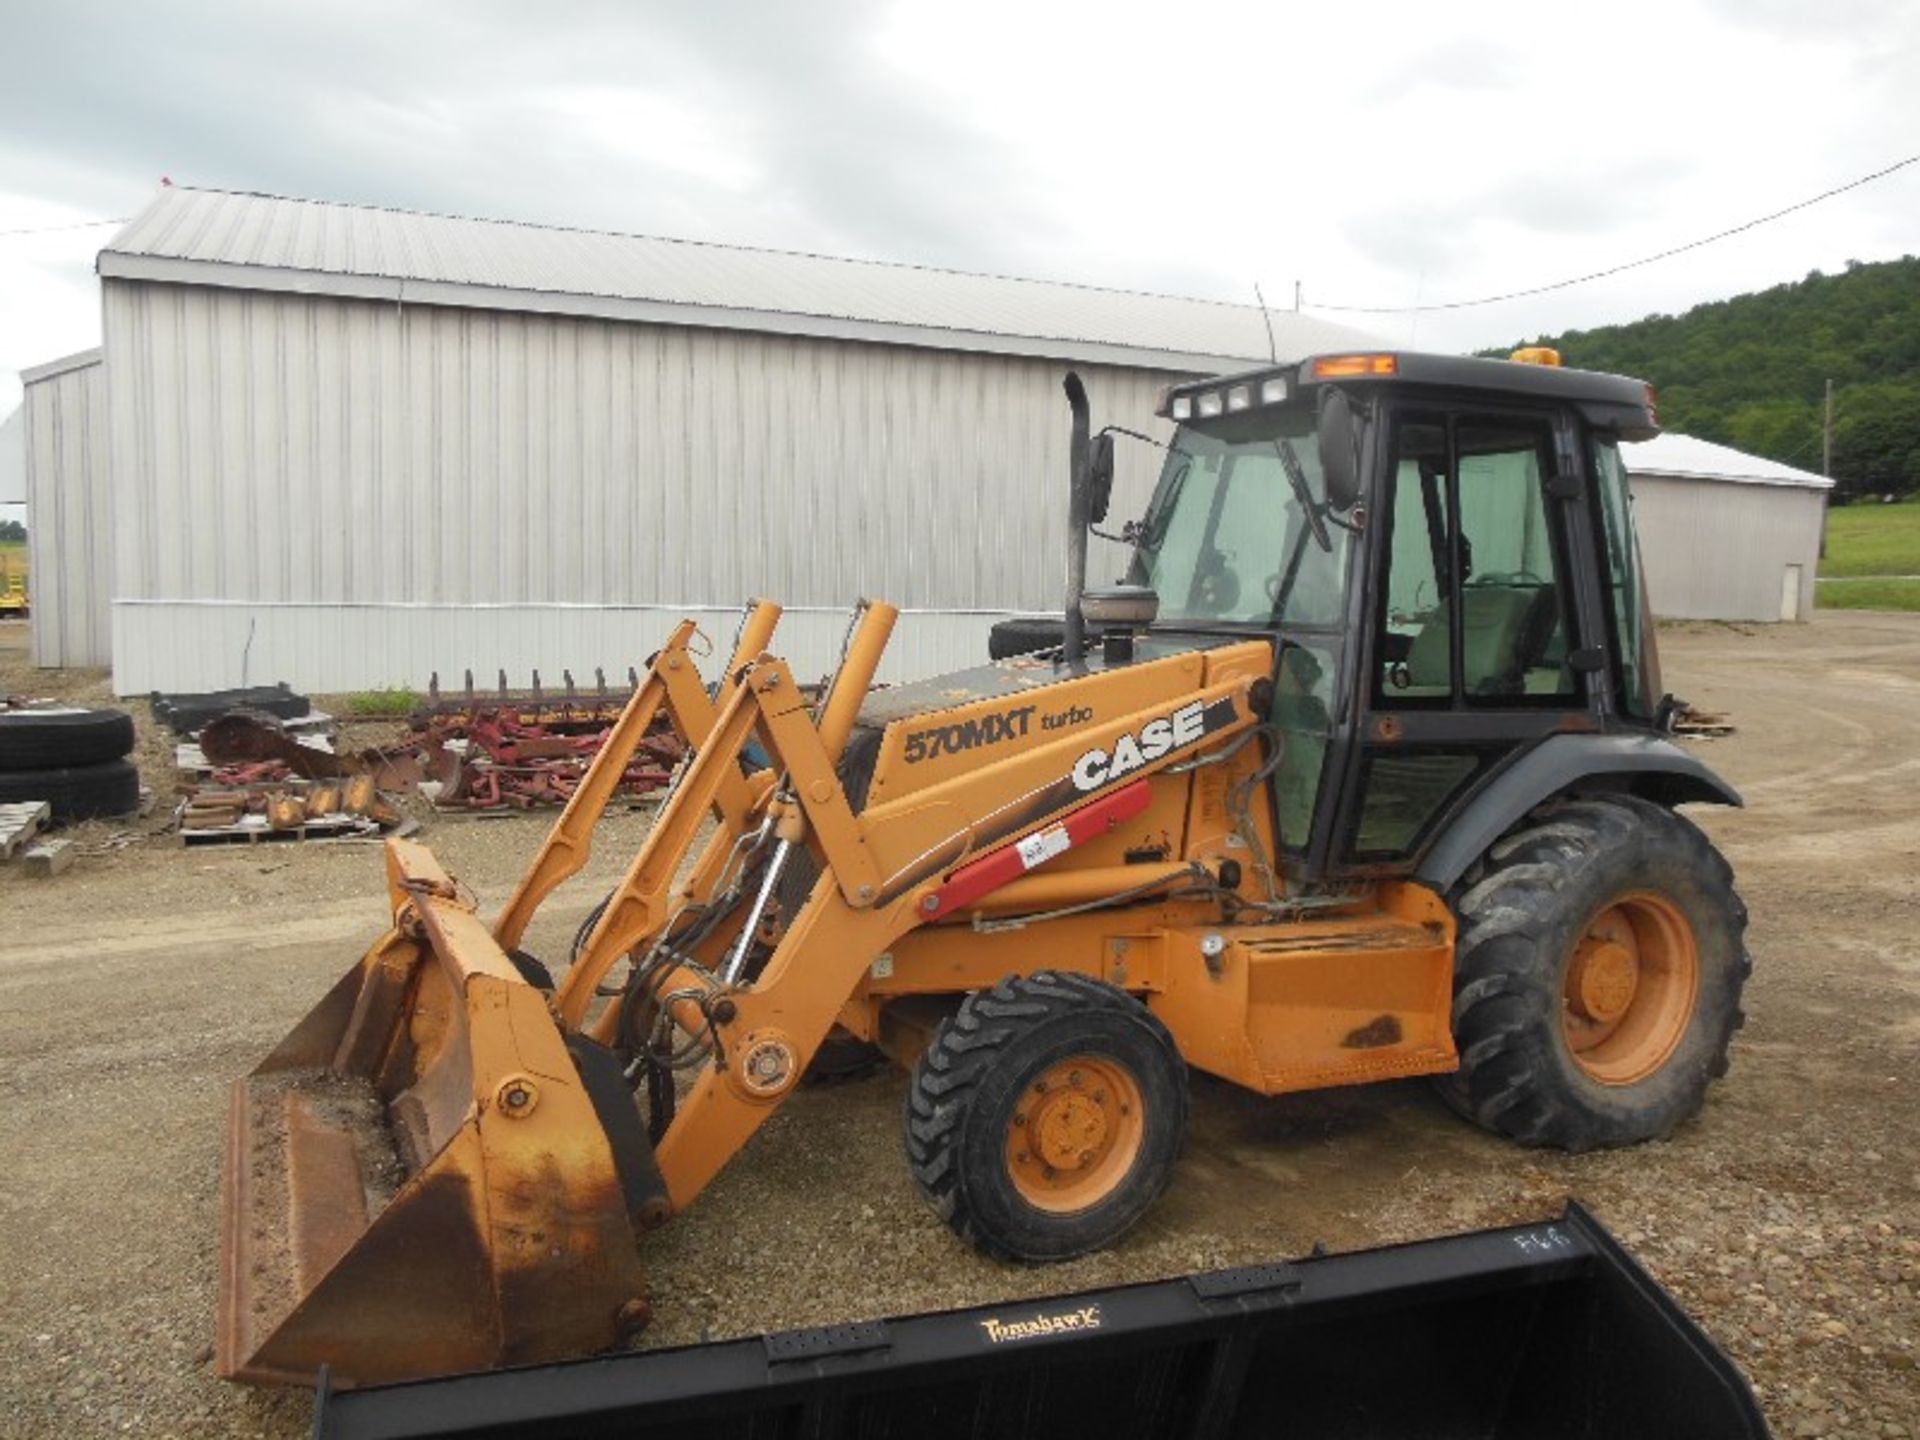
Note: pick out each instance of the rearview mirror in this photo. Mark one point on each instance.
(1339, 436)
(1099, 477)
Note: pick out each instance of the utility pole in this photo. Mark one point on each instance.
(1296, 297)
(1826, 465)
(1826, 435)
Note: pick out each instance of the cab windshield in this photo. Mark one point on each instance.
(1225, 538)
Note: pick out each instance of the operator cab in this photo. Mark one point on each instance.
(1442, 547)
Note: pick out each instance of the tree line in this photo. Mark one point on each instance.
(1751, 372)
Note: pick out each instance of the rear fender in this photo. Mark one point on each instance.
(1644, 765)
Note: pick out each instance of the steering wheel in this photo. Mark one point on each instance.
(1510, 578)
(1218, 590)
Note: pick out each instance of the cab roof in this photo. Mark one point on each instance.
(1614, 402)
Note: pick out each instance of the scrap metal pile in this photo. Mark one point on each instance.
(522, 751)
(273, 775)
(268, 766)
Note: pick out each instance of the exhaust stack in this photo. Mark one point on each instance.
(1078, 518)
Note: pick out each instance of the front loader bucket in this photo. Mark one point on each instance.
(426, 1176)
(1536, 1332)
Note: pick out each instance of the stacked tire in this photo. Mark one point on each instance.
(75, 760)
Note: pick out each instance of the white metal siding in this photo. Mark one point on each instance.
(335, 479)
(1716, 550)
(69, 516)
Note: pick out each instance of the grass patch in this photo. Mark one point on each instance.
(383, 704)
(1873, 593)
(1872, 539)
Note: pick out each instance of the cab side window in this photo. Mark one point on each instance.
(1418, 552)
(1475, 606)
(1513, 614)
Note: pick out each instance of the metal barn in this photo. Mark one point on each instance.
(1725, 535)
(351, 446)
(63, 413)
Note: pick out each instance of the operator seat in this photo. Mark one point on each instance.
(1508, 628)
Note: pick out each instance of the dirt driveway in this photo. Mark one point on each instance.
(134, 987)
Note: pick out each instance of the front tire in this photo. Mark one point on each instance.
(1044, 1119)
(1597, 977)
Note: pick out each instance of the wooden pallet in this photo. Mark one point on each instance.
(19, 824)
(254, 830)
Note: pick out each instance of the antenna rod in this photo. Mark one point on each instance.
(1273, 351)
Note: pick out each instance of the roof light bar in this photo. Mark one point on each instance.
(1347, 367)
(1225, 395)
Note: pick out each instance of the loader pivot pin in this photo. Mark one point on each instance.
(769, 1064)
(518, 1095)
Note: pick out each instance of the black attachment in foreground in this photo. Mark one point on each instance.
(1547, 1330)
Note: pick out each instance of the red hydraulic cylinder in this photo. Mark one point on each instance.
(1010, 862)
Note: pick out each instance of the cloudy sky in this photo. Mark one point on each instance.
(1379, 154)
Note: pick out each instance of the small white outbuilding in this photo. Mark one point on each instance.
(1725, 535)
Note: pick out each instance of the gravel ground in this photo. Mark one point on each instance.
(1787, 1217)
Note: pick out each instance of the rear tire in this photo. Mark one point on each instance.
(1597, 976)
(1044, 1119)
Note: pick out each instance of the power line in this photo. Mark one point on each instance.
(76, 225)
(1629, 265)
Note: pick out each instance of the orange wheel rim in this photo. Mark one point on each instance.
(1074, 1133)
(1630, 989)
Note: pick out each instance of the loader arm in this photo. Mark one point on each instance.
(672, 683)
(880, 876)
(640, 905)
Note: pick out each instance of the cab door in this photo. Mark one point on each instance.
(1474, 645)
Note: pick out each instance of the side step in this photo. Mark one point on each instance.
(1535, 1330)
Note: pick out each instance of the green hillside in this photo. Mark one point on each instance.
(1750, 371)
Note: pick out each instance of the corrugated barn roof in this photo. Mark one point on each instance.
(215, 237)
(1687, 458)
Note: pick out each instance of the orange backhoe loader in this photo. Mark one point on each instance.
(1360, 774)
